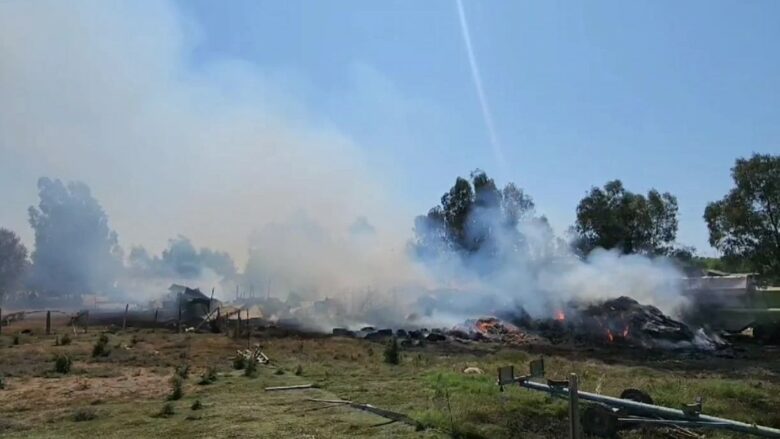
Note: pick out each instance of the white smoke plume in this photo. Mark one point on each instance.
(109, 93)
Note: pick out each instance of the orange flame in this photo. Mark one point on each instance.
(560, 316)
(610, 336)
(625, 332)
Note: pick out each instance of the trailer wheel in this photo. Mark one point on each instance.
(599, 421)
(637, 395)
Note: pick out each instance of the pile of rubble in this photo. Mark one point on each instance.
(626, 321)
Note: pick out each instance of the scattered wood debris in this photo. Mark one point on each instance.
(393, 416)
(296, 387)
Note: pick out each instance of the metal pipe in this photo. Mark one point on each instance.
(655, 410)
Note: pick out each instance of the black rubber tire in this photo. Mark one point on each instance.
(636, 395)
(599, 421)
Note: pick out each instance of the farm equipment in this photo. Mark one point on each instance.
(604, 416)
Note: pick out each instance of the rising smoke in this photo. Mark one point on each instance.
(110, 93)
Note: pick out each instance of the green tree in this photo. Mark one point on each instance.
(75, 250)
(471, 216)
(13, 261)
(614, 218)
(745, 224)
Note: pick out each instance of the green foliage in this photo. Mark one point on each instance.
(69, 219)
(183, 370)
(65, 340)
(100, 349)
(614, 218)
(469, 216)
(299, 370)
(392, 353)
(167, 410)
(13, 260)
(84, 414)
(16, 339)
(209, 377)
(177, 388)
(2, 382)
(239, 362)
(251, 368)
(745, 224)
(62, 364)
(197, 405)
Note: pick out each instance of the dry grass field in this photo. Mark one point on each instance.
(125, 391)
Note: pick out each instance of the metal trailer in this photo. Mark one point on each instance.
(605, 415)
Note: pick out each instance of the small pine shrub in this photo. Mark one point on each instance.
(392, 352)
(210, 376)
(239, 362)
(65, 340)
(167, 410)
(177, 388)
(183, 371)
(299, 370)
(279, 372)
(84, 414)
(197, 405)
(2, 382)
(251, 369)
(16, 339)
(62, 364)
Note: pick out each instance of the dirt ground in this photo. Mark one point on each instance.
(124, 393)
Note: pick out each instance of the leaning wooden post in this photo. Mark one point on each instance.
(178, 320)
(48, 322)
(574, 408)
(124, 320)
(155, 316)
(1, 320)
(211, 299)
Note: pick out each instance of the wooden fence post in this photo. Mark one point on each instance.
(1, 320)
(48, 322)
(155, 316)
(124, 321)
(574, 408)
(178, 320)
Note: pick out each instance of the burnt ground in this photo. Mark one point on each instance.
(122, 393)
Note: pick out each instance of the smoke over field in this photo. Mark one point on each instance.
(217, 151)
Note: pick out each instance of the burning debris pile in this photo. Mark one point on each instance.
(626, 321)
(490, 329)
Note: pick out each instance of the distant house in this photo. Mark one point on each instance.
(194, 304)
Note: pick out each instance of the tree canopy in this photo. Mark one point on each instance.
(13, 261)
(614, 218)
(474, 216)
(75, 250)
(745, 224)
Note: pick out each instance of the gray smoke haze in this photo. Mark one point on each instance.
(106, 92)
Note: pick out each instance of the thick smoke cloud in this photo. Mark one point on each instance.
(181, 260)
(216, 150)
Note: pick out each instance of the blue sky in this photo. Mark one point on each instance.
(222, 117)
(658, 94)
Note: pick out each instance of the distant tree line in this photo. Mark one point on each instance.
(77, 252)
(474, 215)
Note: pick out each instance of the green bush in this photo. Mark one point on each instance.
(65, 340)
(84, 414)
(392, 352)
(167, 410)
(16, 339)
(62, 364)
(183, 371)
(197, 405)
(2, 382)
(208, 377)
(299, 370)
(239, 362)
(101, 347)
(251, 369)
(177, 388)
